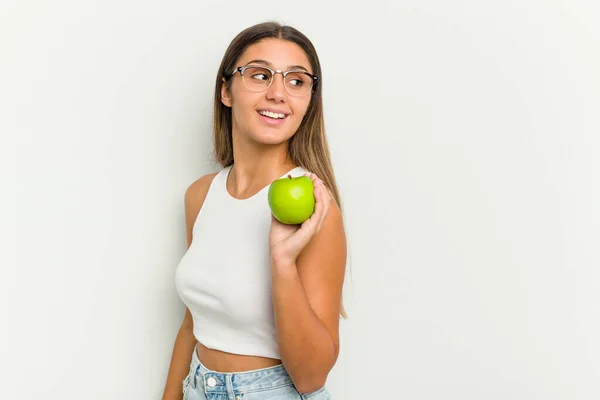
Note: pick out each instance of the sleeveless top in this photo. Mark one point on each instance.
(224, 278)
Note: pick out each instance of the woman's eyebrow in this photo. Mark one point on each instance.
(270, 65)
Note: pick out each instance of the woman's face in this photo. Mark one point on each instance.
(246, 105)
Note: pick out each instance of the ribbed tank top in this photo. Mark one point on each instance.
(224, 277)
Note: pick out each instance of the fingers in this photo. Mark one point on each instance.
(322, 202)
(312, 225)
(325, 203)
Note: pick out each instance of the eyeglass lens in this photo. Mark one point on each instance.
(257, 79)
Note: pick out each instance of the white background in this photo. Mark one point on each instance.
(465, 137)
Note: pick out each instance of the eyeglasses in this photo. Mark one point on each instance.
(258, 78)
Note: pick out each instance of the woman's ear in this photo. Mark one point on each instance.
(225, 97)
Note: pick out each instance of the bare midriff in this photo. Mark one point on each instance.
(220, 361)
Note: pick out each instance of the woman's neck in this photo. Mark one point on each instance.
(257, 165)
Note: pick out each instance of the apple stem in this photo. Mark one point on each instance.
(290, 176)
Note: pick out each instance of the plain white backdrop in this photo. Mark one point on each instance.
(465, 137)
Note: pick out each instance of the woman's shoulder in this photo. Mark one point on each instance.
(194, 198)
(198, 189)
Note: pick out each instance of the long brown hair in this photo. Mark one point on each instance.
(308, 147)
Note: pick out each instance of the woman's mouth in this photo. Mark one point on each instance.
(272, 118)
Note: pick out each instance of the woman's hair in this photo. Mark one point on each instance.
(308, 147)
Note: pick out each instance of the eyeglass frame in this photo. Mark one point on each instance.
(242, 69)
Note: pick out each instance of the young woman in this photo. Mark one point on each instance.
(263, 299)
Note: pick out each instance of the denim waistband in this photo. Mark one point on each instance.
(238, 382)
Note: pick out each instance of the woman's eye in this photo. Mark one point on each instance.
(262, 77)
(296, 82)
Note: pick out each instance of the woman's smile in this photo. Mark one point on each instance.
(272, 119)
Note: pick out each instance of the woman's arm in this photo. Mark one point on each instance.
(307, 295)
(185, 341)
(181, 359)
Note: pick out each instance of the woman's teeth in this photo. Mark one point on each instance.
(271, 114)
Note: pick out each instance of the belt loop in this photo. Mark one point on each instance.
(196, 370)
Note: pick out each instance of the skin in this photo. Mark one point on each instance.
(307, 262)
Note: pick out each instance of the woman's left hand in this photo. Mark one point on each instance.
(287, 241)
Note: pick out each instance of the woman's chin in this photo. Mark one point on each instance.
(274, 138)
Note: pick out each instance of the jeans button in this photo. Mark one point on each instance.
(211, 382)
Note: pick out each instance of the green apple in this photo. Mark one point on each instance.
(292, 200)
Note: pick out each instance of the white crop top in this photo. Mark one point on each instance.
(224, 277)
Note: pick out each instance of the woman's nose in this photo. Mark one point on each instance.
(277, 89)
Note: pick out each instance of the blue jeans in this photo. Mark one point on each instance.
(259, 384)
